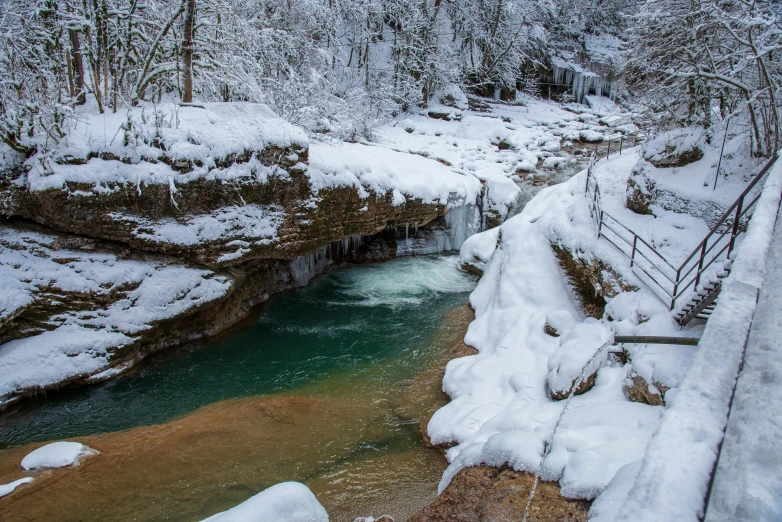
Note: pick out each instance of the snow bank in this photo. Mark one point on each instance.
(6, 489)
(78, 342)
(149, 138)
(204, 132)
(56, 455)
(747, 483)
(285, 502)
(381, 169)
(678, 463)
(501, 411)
(236, 226)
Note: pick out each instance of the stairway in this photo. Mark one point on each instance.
(702, 302)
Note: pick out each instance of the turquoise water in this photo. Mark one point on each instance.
(368, 321)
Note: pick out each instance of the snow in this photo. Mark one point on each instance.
(7, 489)
(206, 132)
(284, 502)
(747, 484)
(501, 411)
(55, 455)
(606, 507)
(138, 294)
(477, 250)
(677, 466)
(381, 170)
(240, 226)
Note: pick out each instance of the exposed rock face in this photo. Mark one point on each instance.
(289, 220)
(640, 391)
(673, 156)
(592, 280)
(640, 190)
(484, 494)
(584, 387)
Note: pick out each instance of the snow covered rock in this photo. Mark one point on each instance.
(590, 136)
(453, 96)
(56, 455)
(640, 189)
(675, 148)
(477, 250)
(284, 502)
(225, 184)
(568, 363)
(555, 162)
(7, 489)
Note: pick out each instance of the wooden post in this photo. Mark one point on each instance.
(632, 256)
(621, 141)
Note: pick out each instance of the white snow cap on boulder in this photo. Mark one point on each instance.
(284, 502)
(577, 346)
(453, 96)
(56, 455)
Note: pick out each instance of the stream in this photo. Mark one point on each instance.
(327, 385)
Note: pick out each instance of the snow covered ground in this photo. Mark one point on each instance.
(7, 489)
(748, 482)
(502, 410)
(514, 149)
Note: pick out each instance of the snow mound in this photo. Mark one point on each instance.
(452, 96)
(478, 249)
(384, 170)
(576, 348)
(56, 455)
(7, 489)
(203, 133)
(285, 502)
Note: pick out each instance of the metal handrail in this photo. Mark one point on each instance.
(681, 281)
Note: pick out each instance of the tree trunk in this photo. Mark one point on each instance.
(187, 49)
(78, 62)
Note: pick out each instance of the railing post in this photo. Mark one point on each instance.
(632, 256)
(600, 224)
(621, 142)
(700, 266)
(609, 149)
(589, 172)
(675, 289)
(735, 230)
